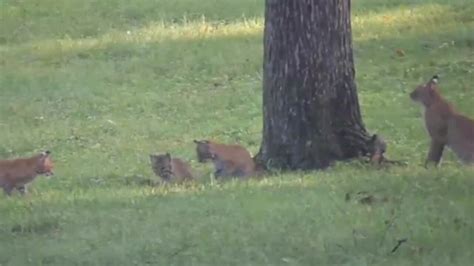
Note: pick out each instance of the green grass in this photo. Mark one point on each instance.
(104, 83)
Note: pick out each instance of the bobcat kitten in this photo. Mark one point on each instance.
(171, 169)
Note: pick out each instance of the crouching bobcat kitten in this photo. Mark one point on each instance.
(171, 169)
(229, 160)
(17, 173)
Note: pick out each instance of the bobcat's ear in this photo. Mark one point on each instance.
(434, 79)
(45, 153)
(201, 141)
(374, 138)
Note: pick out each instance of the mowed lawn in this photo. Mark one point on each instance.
(102, 84)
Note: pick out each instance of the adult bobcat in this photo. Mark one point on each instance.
(445, 126)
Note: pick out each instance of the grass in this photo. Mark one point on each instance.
(104, 83)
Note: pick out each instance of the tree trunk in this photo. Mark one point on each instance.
(310, 106)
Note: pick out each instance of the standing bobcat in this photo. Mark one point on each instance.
(16, 174)
(171, 169)
(229, 160)
(445, 126)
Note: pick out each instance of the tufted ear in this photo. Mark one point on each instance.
(435, 79)
(45, 153)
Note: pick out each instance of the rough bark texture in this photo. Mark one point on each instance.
(310, 104)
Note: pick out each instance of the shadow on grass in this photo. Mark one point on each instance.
(307, 214)
(36, 228)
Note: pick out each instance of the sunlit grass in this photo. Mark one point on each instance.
(155, 32)
(424, 19)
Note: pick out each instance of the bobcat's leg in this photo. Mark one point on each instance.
(218, 173)
(435, 153)
(22, 189)
(220, 169)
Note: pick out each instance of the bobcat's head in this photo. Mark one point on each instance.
(44, 164)
(426, 93)
(203, 150)
(161, 164)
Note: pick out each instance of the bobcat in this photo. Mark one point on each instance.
(229, 160)
(445, 126)
(376, 152)
(171, 169)
(377, 149)
(17, 173)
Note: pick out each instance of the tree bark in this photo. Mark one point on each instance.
(311, 113)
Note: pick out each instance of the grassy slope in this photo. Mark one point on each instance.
(104, 83)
